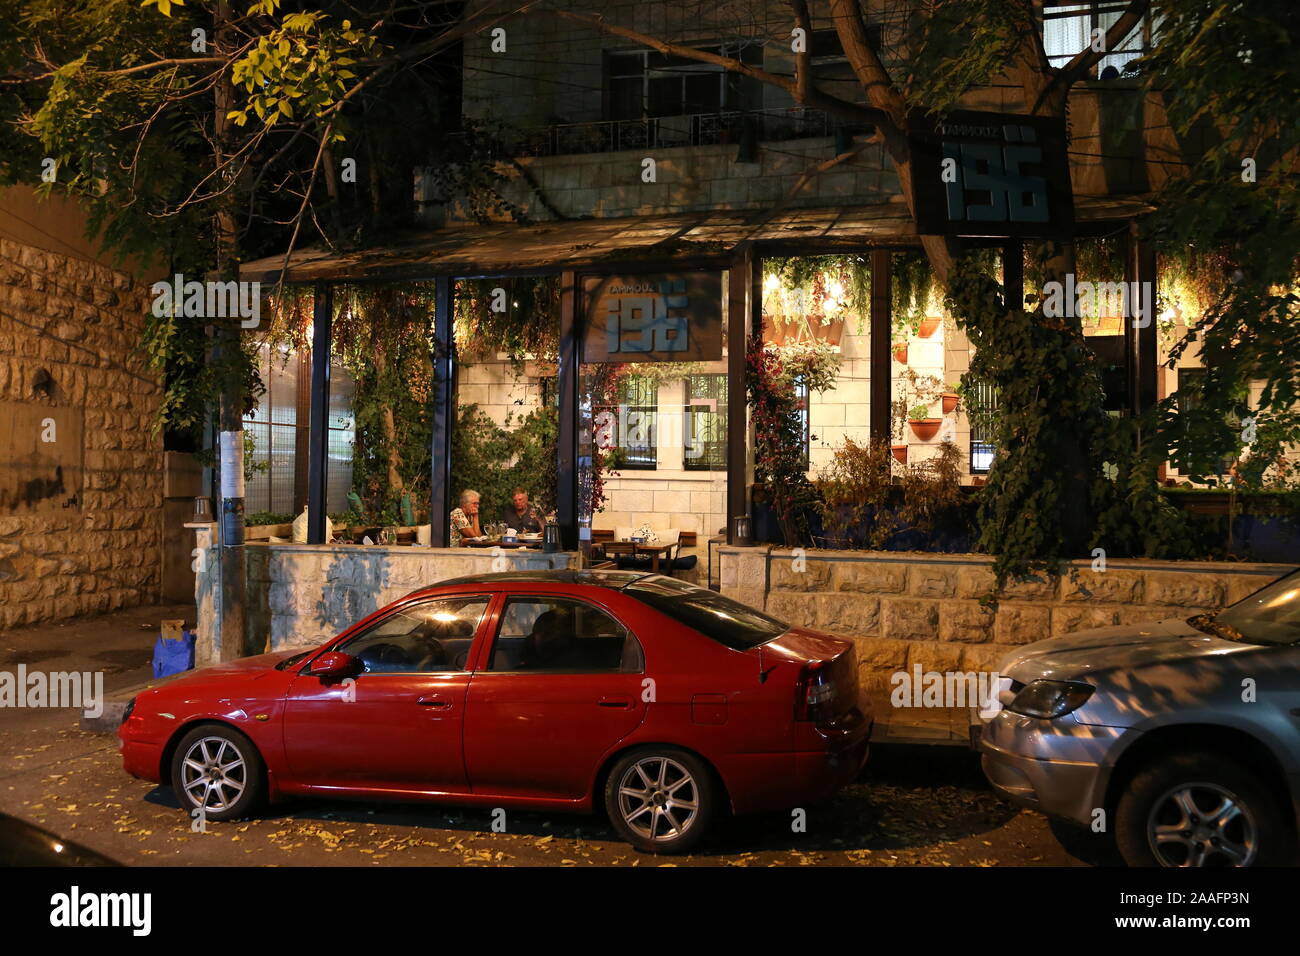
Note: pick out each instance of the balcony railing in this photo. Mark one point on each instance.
(697, 129)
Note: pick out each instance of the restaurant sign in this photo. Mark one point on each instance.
(990, 174)
(666, 317)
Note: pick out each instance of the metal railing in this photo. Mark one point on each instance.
(697, 129)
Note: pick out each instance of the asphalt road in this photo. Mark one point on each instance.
(913, 806)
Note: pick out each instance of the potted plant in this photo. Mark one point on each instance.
(923, 426)
(951, 399)
(929, 325)
(900, 453)
(900, 352)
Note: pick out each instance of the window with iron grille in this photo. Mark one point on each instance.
(805, 422)
(1191, 386)
(705, 434)
(638, 423)
(831, 69)
(984, 396)
(1068, 29)
(279, 427)
(645, 84)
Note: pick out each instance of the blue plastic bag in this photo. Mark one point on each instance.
(172, 657)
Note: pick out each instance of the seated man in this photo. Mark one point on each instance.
(521, 515)
(551, 645)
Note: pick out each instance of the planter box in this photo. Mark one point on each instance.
(924, 428)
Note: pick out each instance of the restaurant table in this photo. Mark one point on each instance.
(634, 548)
(497, 543)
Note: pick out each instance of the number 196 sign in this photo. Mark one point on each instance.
(990, 174)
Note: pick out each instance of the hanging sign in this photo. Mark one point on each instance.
(990, 174)
(666, 317)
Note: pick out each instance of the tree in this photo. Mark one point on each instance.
(200, 132)
(1231, 71)
(1047, 490)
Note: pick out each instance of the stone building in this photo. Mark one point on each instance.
(81, 469)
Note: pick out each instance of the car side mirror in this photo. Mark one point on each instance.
(335, 665)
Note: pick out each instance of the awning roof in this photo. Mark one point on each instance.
(474, 249)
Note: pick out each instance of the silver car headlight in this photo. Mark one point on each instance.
(1049, 699)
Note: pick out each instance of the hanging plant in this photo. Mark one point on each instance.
(518, 316)
(796, 291)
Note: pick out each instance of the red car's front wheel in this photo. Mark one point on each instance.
(660, 799)
(217, 773)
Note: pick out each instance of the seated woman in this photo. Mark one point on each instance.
(465, 519)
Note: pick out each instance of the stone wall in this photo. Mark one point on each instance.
(905, 609)
(300, 595)
(80, 506)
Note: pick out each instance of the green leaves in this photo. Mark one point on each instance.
(300, 69)
(164, 6)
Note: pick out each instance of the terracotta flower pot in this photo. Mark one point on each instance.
(900, 353)
(977, 481)
(928, 327)
(900, 453)
(924, 428)
(950, 400)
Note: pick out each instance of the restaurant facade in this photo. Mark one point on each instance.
(662, 213)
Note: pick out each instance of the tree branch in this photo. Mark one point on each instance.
(813, 97)
(802, 61)
(1087, 58)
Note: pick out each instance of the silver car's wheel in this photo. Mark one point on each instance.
(214, 774)
(1202, 824)
(1201, 808)
(658, 799)
(217, 773)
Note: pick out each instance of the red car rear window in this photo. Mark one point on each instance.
(726, 621)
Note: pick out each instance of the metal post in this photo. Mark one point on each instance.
(741, 309)
(566, 451)
(444, 413)
(1013, 273)
(881, 342)
(318, 439)
(1147, 342)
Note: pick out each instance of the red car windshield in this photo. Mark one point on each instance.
(720, 618)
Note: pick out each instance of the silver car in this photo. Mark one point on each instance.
(1182, 737)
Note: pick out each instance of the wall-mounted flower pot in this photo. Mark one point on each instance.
(950, 402)
(900, 353)
(924, 428)
(929, 326)
(977, 481)
(900, 453)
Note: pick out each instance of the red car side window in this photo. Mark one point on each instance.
(429, 637)
(561, 635)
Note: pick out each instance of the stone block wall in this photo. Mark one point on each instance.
(300, 595)
(904, 609)
(89, 542)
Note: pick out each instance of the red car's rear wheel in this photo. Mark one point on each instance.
(660, 799)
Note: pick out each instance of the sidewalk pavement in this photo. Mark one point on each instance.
(118, 645)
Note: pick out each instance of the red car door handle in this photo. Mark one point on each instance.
(621, 702)
(435, 700)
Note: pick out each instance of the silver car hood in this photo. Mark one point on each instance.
(1126, 647)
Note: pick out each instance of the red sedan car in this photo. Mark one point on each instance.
(662, 702)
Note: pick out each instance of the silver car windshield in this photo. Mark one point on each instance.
(1270, 616)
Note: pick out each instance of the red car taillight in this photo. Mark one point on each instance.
(814, 692)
